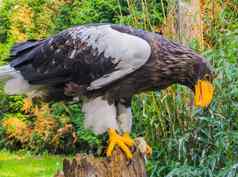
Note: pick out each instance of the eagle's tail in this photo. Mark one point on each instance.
(20, 52)
(14, 82)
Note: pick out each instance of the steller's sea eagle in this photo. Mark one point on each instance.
(106, 64)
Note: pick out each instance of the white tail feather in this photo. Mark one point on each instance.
(15, 83)
(7, 72)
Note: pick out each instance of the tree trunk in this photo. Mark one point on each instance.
(116, 166)
(184, 21)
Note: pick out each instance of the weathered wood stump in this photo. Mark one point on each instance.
(116, 166)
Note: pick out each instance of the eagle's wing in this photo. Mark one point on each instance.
(99, 54)
(127, 52)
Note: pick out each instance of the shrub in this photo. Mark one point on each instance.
(16, 132)
(49, 128)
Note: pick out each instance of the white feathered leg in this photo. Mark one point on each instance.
(99, 115)
(124, 118)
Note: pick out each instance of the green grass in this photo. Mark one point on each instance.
(24, 164)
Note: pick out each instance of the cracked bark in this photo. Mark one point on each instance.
(117, 166)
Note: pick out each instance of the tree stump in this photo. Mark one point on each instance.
(116, 166)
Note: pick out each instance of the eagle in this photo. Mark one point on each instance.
(105, 64)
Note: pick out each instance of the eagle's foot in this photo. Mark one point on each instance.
(124, 142)
(27, 104)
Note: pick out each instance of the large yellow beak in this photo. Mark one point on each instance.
(203, 93)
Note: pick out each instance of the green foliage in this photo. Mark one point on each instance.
(205, 144)
(109, 11)
(228, 44)
(83, 12)
(86, 138)
(197, 143)
(25, 164)
(191, 142)
(10, 104)
(57, 129)
(186, 141)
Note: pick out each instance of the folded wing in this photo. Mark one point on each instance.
(93, 55)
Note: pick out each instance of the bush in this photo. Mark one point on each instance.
(57, 129)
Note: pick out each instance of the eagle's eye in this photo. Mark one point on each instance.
(207, 77)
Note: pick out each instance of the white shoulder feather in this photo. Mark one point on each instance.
(127, 51)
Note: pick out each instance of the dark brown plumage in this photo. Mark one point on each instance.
(107, 64)
(47, 62)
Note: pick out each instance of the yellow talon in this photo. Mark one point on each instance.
(124, 142)
(127, 140)
(148, 150)
(27, 105)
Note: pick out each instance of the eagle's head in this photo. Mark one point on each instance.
(200, 80)
(186, 67)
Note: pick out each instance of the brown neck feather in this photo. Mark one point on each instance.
(173, 63)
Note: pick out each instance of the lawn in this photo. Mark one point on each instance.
(24, 164)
